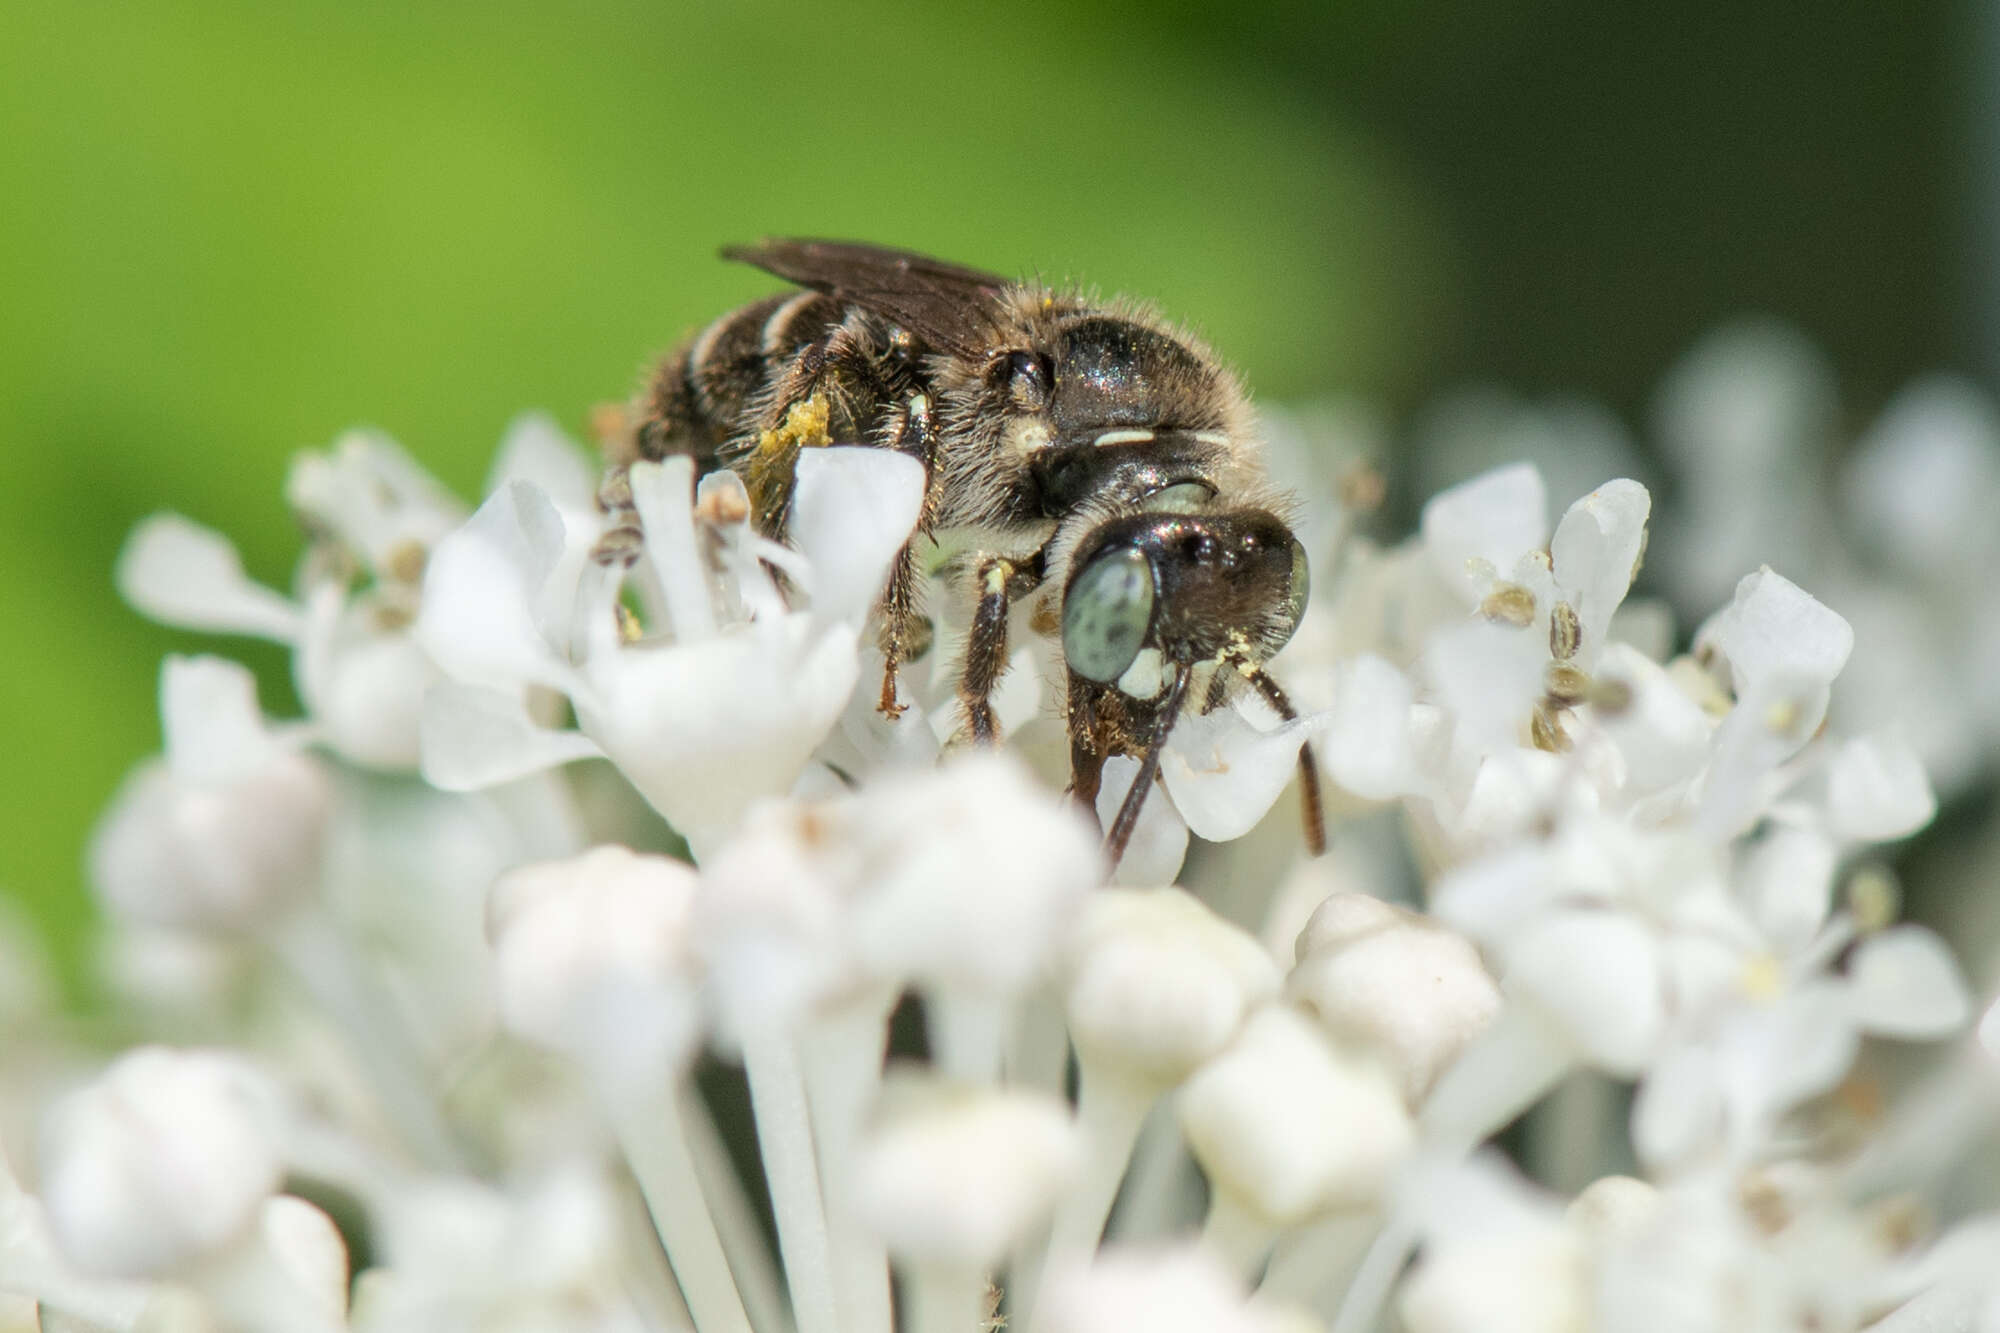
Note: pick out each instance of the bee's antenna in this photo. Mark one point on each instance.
(1149, 767)
(1315, 817)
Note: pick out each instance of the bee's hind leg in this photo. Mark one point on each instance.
(905, 634)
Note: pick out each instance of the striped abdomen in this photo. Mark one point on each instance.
(790, 371)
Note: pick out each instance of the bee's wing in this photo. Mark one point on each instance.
(951, 308)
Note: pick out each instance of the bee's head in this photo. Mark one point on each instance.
(1189, 587)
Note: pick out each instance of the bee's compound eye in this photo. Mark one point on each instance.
(1295, 605)
(1107, 613)
(1029, 379)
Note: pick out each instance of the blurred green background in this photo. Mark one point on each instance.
(229, 230)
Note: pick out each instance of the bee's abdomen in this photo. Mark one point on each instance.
(703, 394)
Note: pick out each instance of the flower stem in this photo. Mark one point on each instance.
(968, 1032)
(1110, 1110)
(654, 1136)
(1311, 1265)
(1235, 1235)
(784, 1137)
(322, 960)
(736, 1220)
(946, 1299)
(843, 1070)
(1156, 1193)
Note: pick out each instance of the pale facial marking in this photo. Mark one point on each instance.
(1028, 436)
(1144, 679)
(1122, 437)
(1218, 438)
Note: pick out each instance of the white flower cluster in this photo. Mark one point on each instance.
(446, 1006)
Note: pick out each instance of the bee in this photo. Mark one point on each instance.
(1082, 453)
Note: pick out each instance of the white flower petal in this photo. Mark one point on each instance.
(1786, 879)
(704, 728)
(215, 732)
(1661, 734)
(1159, 839)
(1904, 983)
(482, 590)
(375, 498)
(1597, 974)
(976, 873)
(1678, 1107)
(1775, 627)
(1775, 1057)
(471, 738)
(663, 493)
(1366, 745)
(1488, 677)
(1877, 789)
(852, 511)
(1224, 774)
(183, 574)
(1481, 528)
(368, 701)
(1596, 553)
(536, 450)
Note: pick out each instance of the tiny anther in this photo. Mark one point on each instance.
(1565, 683)
(620, 546)
(1764, 1202)
(614, 493)
(1874, 897)
(1509, 604)
(723, 506)
(392, 616)
(1565, 632)
(1545, 730)
(405, 562)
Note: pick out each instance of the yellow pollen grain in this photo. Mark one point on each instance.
(804, 426)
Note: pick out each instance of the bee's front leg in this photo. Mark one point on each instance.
(986, 647)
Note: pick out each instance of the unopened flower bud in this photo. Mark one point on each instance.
(591, 958)
(211, 856)
(1168, 1291)
(1292, 1123)
(955, 1175)
(1411, 990)
(165, 1157)
(1158, 983)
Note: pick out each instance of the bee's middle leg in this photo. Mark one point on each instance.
(986, 648)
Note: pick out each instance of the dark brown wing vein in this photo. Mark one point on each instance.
(946, 306)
